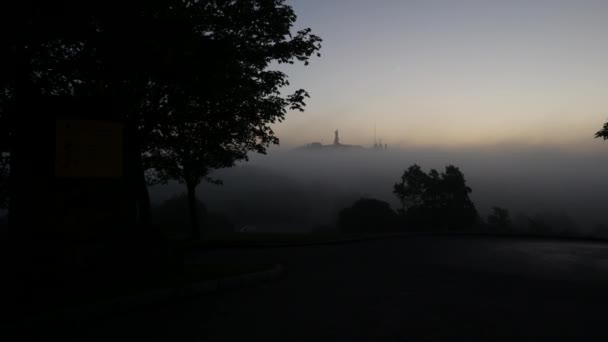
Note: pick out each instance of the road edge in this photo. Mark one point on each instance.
(149, 298)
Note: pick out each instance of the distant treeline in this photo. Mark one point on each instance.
(429, 201)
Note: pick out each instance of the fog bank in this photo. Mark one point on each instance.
(299, 190)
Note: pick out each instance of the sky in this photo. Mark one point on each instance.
(453, 73)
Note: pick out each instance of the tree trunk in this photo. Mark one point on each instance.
(137, 176)
(21, 191)
(143, 196)
(194, 224)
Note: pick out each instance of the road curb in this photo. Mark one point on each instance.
(339, 241)
(389, 236)
(149, 298)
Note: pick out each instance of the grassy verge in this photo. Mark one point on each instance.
(211, 271)
(235, 240)
(257, 239)
(81, 290)
(278, 239)
(173, 278)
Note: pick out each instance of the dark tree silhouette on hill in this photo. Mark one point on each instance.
(368, 215)
(435, 201)
(603, 133)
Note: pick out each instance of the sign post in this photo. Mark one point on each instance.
(89, 172)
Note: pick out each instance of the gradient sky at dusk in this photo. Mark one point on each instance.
(453, 73)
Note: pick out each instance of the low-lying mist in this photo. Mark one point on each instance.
(303, 190)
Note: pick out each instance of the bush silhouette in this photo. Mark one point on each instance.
(500, 219)
(173, 218)
(368, 215)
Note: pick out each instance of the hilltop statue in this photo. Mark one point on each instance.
(317, 146)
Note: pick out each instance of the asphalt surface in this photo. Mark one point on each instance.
(408, 289)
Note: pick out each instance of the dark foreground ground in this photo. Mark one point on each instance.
(418, 288)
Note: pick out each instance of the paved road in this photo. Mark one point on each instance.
(420, 288)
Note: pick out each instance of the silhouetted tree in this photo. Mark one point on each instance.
(368, 215)
(73, 49)
(173, 218)
(499, 219)
(552, 223)
(116, 52)
(603, 133)
(434, 200)
(3, 181)
(413, 188)
(145, 56)
(213, 121)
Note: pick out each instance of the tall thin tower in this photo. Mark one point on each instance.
(375, 141)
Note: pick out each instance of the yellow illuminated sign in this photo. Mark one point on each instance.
(89, 149)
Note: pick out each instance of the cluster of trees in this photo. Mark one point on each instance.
(190, 79)
(430, 201)
(436, 201)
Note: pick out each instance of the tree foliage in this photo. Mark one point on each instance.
(603, 133)
(75, 48)
(436, 201)
(191, 78)
(222, 107)
(368, 215)
(499, 219)
(214, 116)
(210, 56)
(93, 52)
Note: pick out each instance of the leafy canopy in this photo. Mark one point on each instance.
(193, 76)
(603, 133)
(435, 200)
(368, 215)
(222, 105)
